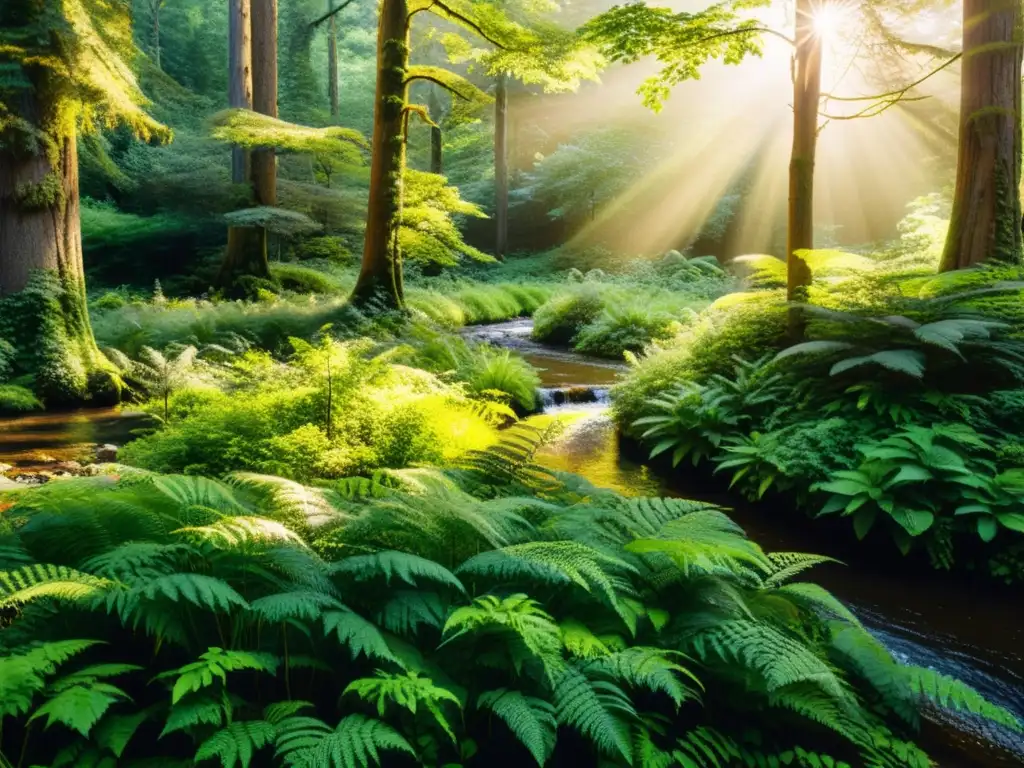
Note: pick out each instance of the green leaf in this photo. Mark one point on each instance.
(1012, 520)
(913, 521)
(360, 635)
(863, 520)
(531, 720)
(80, 707)
(237, 743)
(988, 527)
(909, 473)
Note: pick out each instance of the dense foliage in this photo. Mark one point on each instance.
(429, 617)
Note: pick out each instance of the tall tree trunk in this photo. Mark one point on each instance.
(501, 168)
(264, 94)
(986, 219)
(806, 99)
(381, 275)
(41, 248)
(253, 50)
(436, 139)
(332, 64)
(239, 75)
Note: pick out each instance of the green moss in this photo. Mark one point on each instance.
(14, 399)
(42, 195)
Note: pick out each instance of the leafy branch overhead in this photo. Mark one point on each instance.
(681, 42)
(251, 130)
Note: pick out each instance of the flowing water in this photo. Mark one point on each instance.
(924, 618)
(40, 439)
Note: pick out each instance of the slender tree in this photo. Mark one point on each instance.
(332, 64)
(501, 167)
(253, 46)
(155, 6)
(436, 137)
(986, 218)
(65, 70)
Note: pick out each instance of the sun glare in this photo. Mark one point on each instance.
(829, 20)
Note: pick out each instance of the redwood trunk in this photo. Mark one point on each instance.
(381, 275)
(264, 94)
(239, 75)
(986, 217)
(501, 167)
(332, 64)
(41, 238)
(806, 98)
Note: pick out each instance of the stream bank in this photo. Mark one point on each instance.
(925, 618)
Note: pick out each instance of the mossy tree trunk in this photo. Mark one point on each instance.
(42, 285)
(986, 218)
(806, 99)
(501, 167)
(380, 278)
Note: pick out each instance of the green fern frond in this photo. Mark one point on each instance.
(291, 500)
(199, 590)
(407, 690)
(531, 720)
(816, 599)
(356, 742)
(237, 743)
(706, 747)
(57, 582)
(786, 565)
(652, 669)
(195, 711)
(581, 642)
(950, 693)
(194, 491)
(407, 611)
(777, 659)
(215, 663)
(391, 564)
(137, 560)
(305, 606)
(812, 703)
(241, 531)
(360, 635)
(79, 706)
(598, 710)
(23, 672)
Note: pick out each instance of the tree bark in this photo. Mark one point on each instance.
(264, 94)
(806, 99)
(501, 168)
(253, 84)
(332, 64)
(239, 75)
(380, 277)
(436, 138)
(41, 249)
(986, 218)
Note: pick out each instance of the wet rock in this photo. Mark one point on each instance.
(34, 478)
(106, 452)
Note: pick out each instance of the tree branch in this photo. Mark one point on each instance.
(434, 80)
(330, 13)
(899, 92)
(452, 14)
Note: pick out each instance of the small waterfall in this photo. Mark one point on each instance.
(575, 398)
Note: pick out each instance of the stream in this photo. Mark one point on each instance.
(927, 619)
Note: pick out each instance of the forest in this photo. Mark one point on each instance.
(511, 382)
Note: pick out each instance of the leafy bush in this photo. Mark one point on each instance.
(327, 248)
(563, 317)
(334, 411)
(460, 617)
(15, 399)
(630, 329)
(302, 279)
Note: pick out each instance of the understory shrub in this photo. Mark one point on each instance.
(335, 410)
(491, 613)
(15, 399)
(900, 411)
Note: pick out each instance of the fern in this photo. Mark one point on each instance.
(34, 582)
(199, 590)
(189, 491)
(531, 720)
(24, 671)
(949, 693)
(195, 711)
(306, 606)
(409, 691)
(237, 743)
(402, 565)
(79, 706)
(356, 742)
(241, 532)
(215, 664)
(581, 642)
(650, 668)
(358, 634)
(407, 611)
(786, 565)
(599, 711)
(776, 659)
